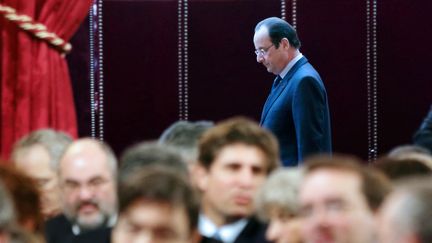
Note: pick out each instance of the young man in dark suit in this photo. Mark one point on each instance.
(234, 160)
(296, 110)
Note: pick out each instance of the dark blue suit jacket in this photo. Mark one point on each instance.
(297, 113)
(423, 136)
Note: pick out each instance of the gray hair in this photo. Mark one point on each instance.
(415, 208)
(7, 213)
(402, 150)
(280, 191)
(184, 136)
(412, 152)
(151, 154)
(55, 143)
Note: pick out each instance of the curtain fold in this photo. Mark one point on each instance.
(35, 88)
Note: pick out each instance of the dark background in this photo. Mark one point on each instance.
(140, 66)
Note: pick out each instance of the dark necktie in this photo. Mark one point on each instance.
(276, 82)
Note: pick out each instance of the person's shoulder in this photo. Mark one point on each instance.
(58, 224)
(254, 232)
(58, 229)
(209, 240)
(59, 219)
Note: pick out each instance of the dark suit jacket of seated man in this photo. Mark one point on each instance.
(296, 110)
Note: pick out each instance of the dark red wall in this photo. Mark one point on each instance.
(140, 50)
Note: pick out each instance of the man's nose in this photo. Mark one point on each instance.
(85, 193)
(246, 178)
(320, 218)
(259, 58)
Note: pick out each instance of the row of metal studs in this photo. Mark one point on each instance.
(183, 59)
(101, 70)
(91, 74)
(293, 12)
(186, 60)
(283, 10)
(375, 78)
(180, 57)
(96, 70)
(372, 78)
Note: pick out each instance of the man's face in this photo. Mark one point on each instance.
(231, 183)
(334, 208)
(149, 221)
(88, 188)
(283, 227)
(274, 59)
(35, 163)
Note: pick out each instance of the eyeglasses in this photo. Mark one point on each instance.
(72, 186)
(263, 51)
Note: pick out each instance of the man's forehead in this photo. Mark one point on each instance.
(241, 154)
(263, 30)
(34, 160)
(32, 150)
(81, 168)
(334, 173)
(261, 37)
(336, 180)
(85, 163)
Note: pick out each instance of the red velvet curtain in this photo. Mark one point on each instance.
(35, 88)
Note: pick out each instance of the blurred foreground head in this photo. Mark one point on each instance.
(339, 198)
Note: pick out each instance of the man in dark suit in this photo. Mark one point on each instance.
(87, 173)
(423, 136)
(234, 160)
(296, 110)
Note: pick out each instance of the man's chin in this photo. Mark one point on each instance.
(90, 222)
(269, 68)
(241, 213)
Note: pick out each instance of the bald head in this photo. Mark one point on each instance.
(87, 174)
(90, 149)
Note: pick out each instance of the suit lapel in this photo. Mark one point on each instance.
(276, 92)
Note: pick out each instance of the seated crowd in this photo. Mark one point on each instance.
(205, 182)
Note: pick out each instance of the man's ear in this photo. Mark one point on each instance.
(285, 43)
(200, 176)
